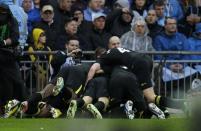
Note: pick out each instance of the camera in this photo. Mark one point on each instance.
(78, 54)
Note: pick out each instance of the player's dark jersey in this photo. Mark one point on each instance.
(74, 76)
(138, 63)
(116, 56)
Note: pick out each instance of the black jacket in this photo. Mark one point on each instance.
(115, 25)
(12, 27)
(97, 38)
(154, 30)
(183, 26)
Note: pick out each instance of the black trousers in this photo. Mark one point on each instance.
(97, 87)
(124, 86)
(142, 67)
(11, 85)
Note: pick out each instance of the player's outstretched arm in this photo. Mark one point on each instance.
(94, 68)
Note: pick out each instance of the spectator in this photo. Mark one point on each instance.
(36, 4)
(192, 17)
(83, 27)
(98, 37)
(137, 39)
(79, 4)
(171, 40)
(39, 38)
(94, 7)
(70, 56)
(50, 26)
(119, 4)
(70, 30)
(33, 13)
(139, 6)
(119, 21)
(11, 85)
(110, 3)
(159, 7)
(63, 11)
(195, 42)
(173, 9)
(21, 18)
(154, 27)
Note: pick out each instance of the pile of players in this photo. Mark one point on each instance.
(117, 85)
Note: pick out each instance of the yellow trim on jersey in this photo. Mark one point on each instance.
(79, 89)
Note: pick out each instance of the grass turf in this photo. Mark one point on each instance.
(172, 124)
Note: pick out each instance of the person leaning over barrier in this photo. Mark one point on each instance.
(70, 56)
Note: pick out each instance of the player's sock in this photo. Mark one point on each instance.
(80, 102)
(35, 98)
(167, 102)
(99, 105)
(66, 94)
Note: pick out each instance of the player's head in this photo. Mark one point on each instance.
(114, 42)
(99, 51)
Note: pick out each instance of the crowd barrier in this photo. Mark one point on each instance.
(171, 84)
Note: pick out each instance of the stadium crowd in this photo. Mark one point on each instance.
(119, 83)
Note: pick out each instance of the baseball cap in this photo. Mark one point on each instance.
(47, 8)
(123, 3)
(98, 15)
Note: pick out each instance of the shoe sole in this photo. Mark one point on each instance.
(156, 111)
(94, 111)
(71, 110)
(13, 111)
(56, 113)
(59, 86)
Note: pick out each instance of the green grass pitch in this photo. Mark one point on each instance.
(171, 124)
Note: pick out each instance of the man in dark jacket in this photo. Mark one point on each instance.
(154, 27)
(62, 11)
(49, 25)
(11, 85)
(98, 37)
(119, 21)
(69, 57)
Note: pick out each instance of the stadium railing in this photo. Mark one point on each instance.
(35, 79)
